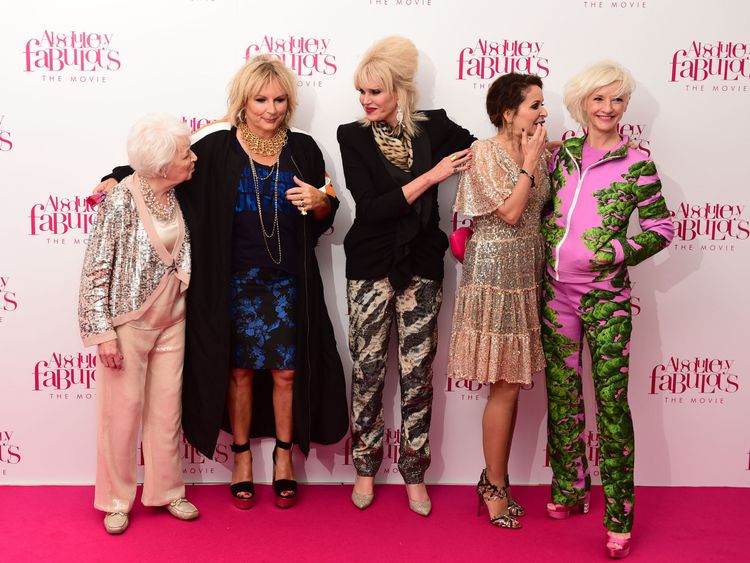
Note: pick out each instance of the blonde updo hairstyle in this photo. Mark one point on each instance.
(255, 75)
(593, 77)
(392, 64)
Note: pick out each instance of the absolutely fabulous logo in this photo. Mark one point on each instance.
(10, 450)
(8, 298)
(196, 123)
(486, 59)
(193, 462)
(66, 376)
(72, 56)
(710, 226)
(722, 67)
(310, 58)
(62, 220)
(694, 381)
(5, 143)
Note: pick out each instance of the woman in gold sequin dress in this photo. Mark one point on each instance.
(496, 331)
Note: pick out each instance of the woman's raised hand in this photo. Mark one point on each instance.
(533, 147)
(306, 197)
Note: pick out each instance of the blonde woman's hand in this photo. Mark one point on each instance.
(105, 186)
(458, 161)
(306, 197)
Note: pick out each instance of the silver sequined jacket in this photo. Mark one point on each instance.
(126, 265)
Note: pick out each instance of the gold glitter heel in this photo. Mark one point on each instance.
(362, 501)
(421, 507)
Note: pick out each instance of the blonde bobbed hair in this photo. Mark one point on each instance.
(593, 77)
(255, 75)
(392, 64)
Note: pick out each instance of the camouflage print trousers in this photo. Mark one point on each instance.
(601, 312)
(372, 305)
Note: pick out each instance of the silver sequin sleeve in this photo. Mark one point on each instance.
(93, 303)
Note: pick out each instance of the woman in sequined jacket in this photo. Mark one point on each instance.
(598, 182)
(132, 307)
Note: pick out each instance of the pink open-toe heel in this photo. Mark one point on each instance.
(621, 551)
(561, 512)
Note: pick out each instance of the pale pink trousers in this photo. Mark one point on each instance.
(146, 390)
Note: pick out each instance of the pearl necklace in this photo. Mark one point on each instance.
(161, 212)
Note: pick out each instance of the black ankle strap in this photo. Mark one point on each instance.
(239, 448)
(283, 445)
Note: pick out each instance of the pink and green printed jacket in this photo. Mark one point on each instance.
(586, 230)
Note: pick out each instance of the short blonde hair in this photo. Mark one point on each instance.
(255, 75)
(593, 77)
(152, 143)
(392, 63)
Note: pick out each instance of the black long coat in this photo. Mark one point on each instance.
(208, 201)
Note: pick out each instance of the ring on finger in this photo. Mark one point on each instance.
(453, 157)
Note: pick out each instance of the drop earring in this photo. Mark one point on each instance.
(399, 116)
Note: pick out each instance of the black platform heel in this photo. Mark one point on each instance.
(285, 489)
(243, 487)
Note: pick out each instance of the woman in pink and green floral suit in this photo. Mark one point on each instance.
(598, 181)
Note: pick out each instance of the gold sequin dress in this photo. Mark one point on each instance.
(496, 327)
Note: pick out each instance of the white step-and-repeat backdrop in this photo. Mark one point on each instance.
(76, 74)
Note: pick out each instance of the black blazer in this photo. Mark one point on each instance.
(208, 201)
(389, 237)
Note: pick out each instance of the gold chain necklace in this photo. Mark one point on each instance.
(275, 229)
(164, 213)
(258, 145)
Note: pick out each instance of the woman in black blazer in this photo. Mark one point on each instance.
(394, 158)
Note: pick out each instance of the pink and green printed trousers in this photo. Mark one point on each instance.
(600, 311)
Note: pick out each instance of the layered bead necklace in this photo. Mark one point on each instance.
(266, 147)
(161, 212)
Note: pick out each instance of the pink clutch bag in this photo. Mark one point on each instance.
(458, 240)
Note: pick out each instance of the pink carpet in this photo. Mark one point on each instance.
(672, 524)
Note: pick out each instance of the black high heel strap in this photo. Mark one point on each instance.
(239, 448)
(283, 445)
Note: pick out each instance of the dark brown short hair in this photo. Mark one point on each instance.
(507, 93)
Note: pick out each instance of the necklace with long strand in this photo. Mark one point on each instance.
(275, 229)
(162, 212)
